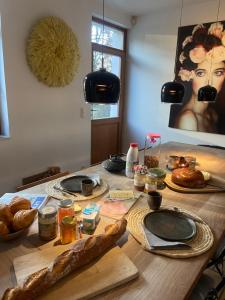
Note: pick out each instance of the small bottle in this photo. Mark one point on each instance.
(65, 209)
(132, 160)
(68, 230)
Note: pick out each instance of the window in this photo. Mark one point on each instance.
(112, 44)
(4, 122)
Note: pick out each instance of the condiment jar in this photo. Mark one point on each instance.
(65, 209)
(140, 177)
(68, 229)
(159, 175)
(150, 183)
(152, 150)
(47, 223)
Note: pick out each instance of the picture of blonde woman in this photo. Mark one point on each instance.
(200, 61)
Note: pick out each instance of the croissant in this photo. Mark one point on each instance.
(19, 203)
(81, 253)
(23, 218)
(5, 214)
(3, 228)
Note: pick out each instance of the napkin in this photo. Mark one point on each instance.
(155, 243)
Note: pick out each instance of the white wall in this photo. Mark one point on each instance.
(151, 56)
(46, 124)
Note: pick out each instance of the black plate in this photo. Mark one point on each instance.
(170, 225)
(73, 184)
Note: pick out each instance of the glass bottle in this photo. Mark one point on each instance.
(152, 150)
(131, 160)
(47, 223)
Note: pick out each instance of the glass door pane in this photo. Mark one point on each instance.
(112, 63)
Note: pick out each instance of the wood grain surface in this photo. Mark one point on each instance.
(160, 278)
(111, 270)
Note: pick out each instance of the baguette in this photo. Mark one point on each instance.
(81, 253)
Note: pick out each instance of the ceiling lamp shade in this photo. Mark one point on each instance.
(172, 92)
(101, 87)
(207, 94)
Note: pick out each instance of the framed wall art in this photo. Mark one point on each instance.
(200, 60)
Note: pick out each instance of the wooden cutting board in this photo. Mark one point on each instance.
(181, 189)
(111, 270)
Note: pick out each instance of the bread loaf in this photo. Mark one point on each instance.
(5, 214)
(81, 253)
(19, 203)
(23, 218)
(188, 178)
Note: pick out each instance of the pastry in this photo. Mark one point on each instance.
(188, 178)
(23, 218)
(81, 253)
(5, 214)
(19, 203)
(3, 228)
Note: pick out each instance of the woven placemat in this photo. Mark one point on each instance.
(202, 242)
(97, 191)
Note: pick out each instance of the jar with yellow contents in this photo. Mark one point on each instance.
(68, 230)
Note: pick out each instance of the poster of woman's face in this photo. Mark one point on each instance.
(200, 61)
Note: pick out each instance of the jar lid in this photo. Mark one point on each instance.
(153, 135)
(47, 211)
(65, 203)
(157, 172)
(69, 221)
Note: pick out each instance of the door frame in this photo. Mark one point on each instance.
(122, 54)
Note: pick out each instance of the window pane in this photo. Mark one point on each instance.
(112, 37)
(112, 63)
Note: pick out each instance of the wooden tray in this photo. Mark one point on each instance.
(181, 189)
(111, 270)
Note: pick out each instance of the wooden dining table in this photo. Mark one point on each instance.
(160, 277)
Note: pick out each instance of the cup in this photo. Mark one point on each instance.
(154, 200)
(87, 186)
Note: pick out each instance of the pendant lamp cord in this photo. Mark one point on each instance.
(217, 18)
(103, 29)
(181, 14)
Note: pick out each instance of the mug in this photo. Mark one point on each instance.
(154, 200)
(87, 186)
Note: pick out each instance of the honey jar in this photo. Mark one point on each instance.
(68, 229)
(66, 208)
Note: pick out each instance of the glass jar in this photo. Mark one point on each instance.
(68, 230)
(140, 177)
(152, 150)
(47, 223)
(150, 183)
(158, 175)
(65, 209)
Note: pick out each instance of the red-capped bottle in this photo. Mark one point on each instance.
(132, 159)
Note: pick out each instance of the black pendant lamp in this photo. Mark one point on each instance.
(208, 93)
(101, 86)
(173, 91)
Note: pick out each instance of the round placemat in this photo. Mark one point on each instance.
(202, 242)
(97, 191)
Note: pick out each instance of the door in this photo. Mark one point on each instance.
(106, 124)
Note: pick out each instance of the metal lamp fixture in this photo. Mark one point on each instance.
(101, 86)
(173, 92)
(208, 93)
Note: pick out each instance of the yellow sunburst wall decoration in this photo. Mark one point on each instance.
(52, 52)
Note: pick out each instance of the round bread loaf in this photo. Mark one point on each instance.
(188, 178)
